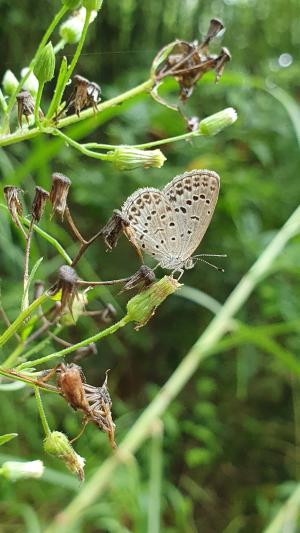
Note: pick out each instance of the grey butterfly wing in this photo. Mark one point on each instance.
(194, 196)
(152, 219)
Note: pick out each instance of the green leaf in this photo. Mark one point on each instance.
(7, 437)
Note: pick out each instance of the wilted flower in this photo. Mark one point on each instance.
(71, 30)
(217, 122)
(38, 204)
(100, 405)
(59, 193)
(187, 62)
(144, 277)
(85, 94)
(15, 470)
(57, 444)
(127, 158)
(14, 205)
(67, 280)
(31, 84)
(9, 82)
(112, 229)
(25, 106)
(142, 306)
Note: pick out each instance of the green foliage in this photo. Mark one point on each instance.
(231, 444)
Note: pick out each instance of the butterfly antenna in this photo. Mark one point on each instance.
(200, 258)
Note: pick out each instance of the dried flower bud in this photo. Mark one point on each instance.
(9, 82)
(143, 306)
(70, 379)
(45, 64)
(143, 277)
(57, 444)
(112, 229)
(71, 4)
(59, 193)
(15, 470)
(25, 106)
(218, 121)
(223, 58)
(71, 30)
(38, 204)
(31, 84)
(126, 158)
(14, 205)
(215, 26)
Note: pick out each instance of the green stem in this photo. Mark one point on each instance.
(287, 515)
(59, 46)
(77, 53)
(15, 376)
(37, 104)
(78, 146)
(23, 135)
(9, 362)
(184, 136)
(15, 326)
(199, 352)
(3, 103)
(63, 10)
(94, 338)
(154, 497)
(41, 411)
(45, 236)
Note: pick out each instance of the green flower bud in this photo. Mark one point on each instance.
(57, 444)
(9, 82)
(31, 84)
(92, 4)
(217, 122)
(45, 65)
(15, 470)
(71, 30)
(126, 158)
(143, 306)
(72, 4)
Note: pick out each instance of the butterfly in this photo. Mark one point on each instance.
(169, 224)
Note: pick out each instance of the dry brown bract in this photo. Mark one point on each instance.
(26, 106)
(85, 94)
(187, 62)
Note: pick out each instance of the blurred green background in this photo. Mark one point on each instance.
(232, 437)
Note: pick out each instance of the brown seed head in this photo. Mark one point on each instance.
(38, 204)
(12, 199)
(25, 106)
(59, 193)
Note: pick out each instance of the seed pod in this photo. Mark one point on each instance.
(85, 94)
(144, 277)
(14, 205)
(59, 193)
(67, 279)
(38, 204)
(112, 229)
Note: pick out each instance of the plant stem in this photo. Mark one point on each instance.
(184, 136)
(154, 495)
(9, 362)
(22, 135)
(78, 146)
(63, 10)
(45, 236)
(37, 105)
(200, 350)
(3, 103)
(25, 299)
(108, 331)
(24, 378)
(59, 46)
(41, 411)
(15, 326)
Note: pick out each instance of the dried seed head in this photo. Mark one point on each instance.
(25, 106)
(67, 279)
(85, 94)
(215, 26)
(59, 193)
(100, 409)
(38, 204)
(223, 58)
(57, 444)
(112, 229)
(12, 199)
(144, 277)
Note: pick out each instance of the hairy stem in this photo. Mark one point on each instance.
(200, 350)
(42, 411)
